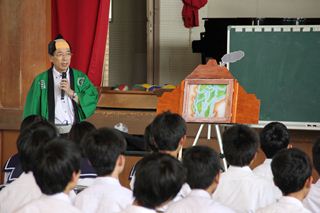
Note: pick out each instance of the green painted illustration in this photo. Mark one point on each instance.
(208, 101)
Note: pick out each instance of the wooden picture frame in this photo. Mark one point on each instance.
(208, 100)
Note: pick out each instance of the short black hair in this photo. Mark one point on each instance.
(52, 44)
(202, 164)
(103, 147)
(30, 120)
(316, 155)
(148, 138)
(57, 163)
(291, 168)
(273, 138)
(159, 177)
(31, 141)
(79, 131)
(167, 130)
(240, 144)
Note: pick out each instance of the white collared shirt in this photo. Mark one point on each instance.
(104, 193)
(137, 209)
(184, 191)
(21, 191)
(264, 171)
(197, 201)
(312, 201)
(59, 202)
(240, 189)
(64, 113)
(285, 204)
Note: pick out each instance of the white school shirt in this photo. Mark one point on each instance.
(184, 191)
(312, 201)
(264, 171)
(285, 204)
(64, 113)
(59, 202)
(21, 191)
(241, 190)
(105, 192)
(198, 201)
(137, 209)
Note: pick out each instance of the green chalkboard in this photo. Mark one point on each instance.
(282, 67)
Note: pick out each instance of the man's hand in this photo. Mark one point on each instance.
(64, 85)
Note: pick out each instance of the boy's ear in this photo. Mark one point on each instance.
(183, 140)
(76, 176)
(217, 178)
(308, 182)
(121, 160)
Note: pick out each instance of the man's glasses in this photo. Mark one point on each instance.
(63, 55)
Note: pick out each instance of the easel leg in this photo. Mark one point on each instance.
(198, 135)
(220, 146)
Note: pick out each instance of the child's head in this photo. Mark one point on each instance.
(159, 177)
(203, 167)
(31, 141)
(273, 138)
(240, 145)
(291, 170)
(30, 120)
(79, 131)
(58, 168)
(104, 148)
(168, 130)
(316, 155)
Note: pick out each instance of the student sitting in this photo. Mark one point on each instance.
(56, 174)
(24, 189)
(291, 170)
(77, 134)
(167, 134)
(104, 148)
(312, 201)
(273, 138)
(203, 173)
(159, 177)
(239, 188)
(12, 168)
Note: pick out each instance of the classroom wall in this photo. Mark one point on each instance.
(176, 59)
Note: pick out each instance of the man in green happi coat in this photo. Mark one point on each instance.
(61, 94)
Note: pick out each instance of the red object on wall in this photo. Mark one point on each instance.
(84, 24)
(190, 12)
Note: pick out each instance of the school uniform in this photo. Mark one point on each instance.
(87, 173)
(21, 191)
(184, 191)
(137, 209)
(106, 191)
(12, 169)
(198, 201)
(59, 202)
(312, 201)
(264, 171)
(285, 204)
(240, 189)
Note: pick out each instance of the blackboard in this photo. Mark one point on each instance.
(282, 67)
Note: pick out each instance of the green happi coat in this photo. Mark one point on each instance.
(40, 99)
